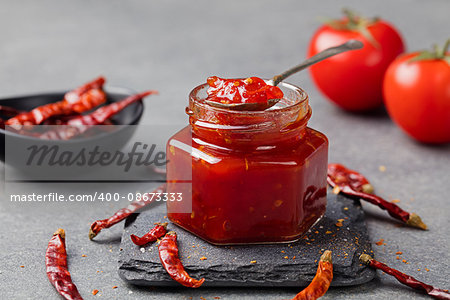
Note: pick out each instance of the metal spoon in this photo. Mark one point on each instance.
(347, 46)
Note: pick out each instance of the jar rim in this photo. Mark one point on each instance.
(193, 96)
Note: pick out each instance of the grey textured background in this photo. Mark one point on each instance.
(173, 46)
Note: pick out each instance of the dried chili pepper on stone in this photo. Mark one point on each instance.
(155, 233)
(78, 125)
(57, 269)
(321, 282)
(355, 185)
(79, 100)
(123, 213)
(405, 279)
(168, 254)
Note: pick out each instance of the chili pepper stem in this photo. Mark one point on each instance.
(92, 234)
(415, 221)
(162, 224)
(60, 232)
(367, 188)
(326, 256)
(365, 258)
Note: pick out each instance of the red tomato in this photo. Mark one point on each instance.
(353, 80)
(417, 97)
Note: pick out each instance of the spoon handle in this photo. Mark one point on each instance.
(349, 45)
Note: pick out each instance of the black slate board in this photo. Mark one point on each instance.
(231, 266)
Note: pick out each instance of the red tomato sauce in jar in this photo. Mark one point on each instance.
(255, 176)
(249, 90)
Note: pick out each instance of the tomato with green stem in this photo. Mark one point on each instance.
(416, 89)
(353, 80)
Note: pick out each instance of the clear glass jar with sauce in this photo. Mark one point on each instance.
(257, 176)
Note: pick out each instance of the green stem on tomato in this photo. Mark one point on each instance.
(356, 23)
(436, 53)
(445, 48)
(354, 19)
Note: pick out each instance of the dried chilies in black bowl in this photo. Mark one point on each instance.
(80, 124)
(81, 99)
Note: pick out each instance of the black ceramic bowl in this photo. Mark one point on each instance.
(117, 138)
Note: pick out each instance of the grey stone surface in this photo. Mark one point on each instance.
(230, 266)
(172, 46)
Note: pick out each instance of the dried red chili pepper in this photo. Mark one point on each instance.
(321, 282)
(168, 254)
(123, 213)
(57, 269)
(9, 111)
(355, 185)
(155, 233)
(79, 100)
(59, 119)
(103, 113)
(62, 120)
(405, 279)
(80, 124)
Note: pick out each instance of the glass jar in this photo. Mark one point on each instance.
(248, 176)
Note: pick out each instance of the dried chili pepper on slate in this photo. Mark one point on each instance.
(355, 185)
(122, 214)
(321, 282)
(79, 100)
(405, 279)
(155, 233)
(57, 270)
(168, 254)
(81, 124)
